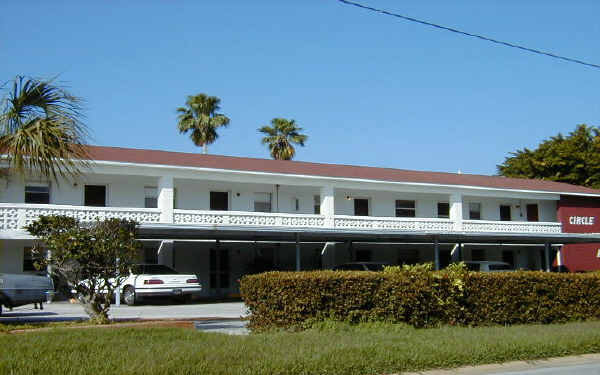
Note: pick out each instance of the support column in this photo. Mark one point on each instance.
(436, 254)
(165, 198)
(328, 205)
(118, 288)
(547, 256)
(456, 211)
(298, 258)
(165, 253)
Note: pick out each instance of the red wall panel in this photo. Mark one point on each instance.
(580, 215)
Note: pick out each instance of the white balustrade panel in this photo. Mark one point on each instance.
(393, 223)
(240, 218)
(16, 216)
(511, 226)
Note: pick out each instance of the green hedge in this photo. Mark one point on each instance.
(419, 297)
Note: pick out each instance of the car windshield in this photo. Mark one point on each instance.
(152, 269)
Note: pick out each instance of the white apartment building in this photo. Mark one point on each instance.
(221, 217)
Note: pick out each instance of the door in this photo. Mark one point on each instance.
(361, 207)
(532, 212)
(219, 270)
(219, 200)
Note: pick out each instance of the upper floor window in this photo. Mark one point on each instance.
(474, 210)
(296, 204)
(505, 213)
(262, 202)
(94, 195)
(150, 197)
(219, 200)
(405, 208)
(37, 193)
(317, 204)
(443, 210)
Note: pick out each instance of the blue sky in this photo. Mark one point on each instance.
(368, 89)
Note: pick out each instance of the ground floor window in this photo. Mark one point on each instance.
(363, 256)
(28, 260)
(508, 256)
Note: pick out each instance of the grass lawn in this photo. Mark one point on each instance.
(332, 348)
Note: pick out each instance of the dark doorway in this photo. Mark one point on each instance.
(361, 207)
(505, 213)
(94, 195)
(532, 212)
(219, 269)
(219, 200)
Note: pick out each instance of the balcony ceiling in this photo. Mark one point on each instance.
(196, 232)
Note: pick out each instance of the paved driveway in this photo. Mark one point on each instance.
(64, 311)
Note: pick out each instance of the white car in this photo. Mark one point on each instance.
(157, 280)
(488, 266)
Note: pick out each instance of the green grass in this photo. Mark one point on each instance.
(330, 348)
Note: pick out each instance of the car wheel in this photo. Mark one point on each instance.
(129, 295)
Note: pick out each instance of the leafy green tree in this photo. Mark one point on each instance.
(574, 159)
(41, 129)
(281, 136)
(85, 257)
(201, 119)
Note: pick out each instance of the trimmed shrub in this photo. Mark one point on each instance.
(419, 297)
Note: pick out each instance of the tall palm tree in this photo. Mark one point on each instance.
(281, 136)
(200, 117)
(41, 130)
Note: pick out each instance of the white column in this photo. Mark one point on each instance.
(456, 211)
(328, 205)
(165, 198)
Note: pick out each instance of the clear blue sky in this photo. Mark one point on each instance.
(368, 89)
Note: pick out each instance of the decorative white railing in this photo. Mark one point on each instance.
(392, 223)
(511, 226)
(242, 218)
(16, 216)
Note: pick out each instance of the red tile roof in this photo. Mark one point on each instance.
(130, 155)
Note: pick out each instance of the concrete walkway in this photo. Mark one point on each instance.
(588, 364)
(65, 311)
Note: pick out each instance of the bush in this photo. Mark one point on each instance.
(419, 297)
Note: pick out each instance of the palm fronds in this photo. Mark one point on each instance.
(281, 136)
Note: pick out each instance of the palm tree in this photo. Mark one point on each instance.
(201, 119)
(41, 130)
(280, 137)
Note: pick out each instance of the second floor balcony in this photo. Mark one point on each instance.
(14, 216)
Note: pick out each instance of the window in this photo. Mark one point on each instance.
(505, 213)
(317, 204)
(405, 208)
(37, 193)
(443, 210)
(95, 195)
(474, 211)
(262, 202)
(296, 204)
(361, 207)
(151, 255)
(219, 200)
(150, 197)
(28, 260)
